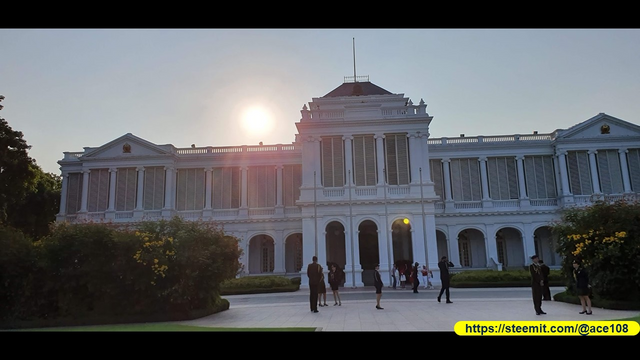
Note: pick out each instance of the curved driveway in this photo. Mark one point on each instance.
(403, 310)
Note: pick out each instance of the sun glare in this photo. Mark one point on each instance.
(256, 120)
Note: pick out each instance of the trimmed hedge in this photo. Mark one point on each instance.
(507, 278)
(597, 302)
(259, 285)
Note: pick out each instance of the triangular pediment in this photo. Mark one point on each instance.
(125, 146)
(600, 126)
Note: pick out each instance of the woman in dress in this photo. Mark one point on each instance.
(334, 282)
(377, 282)
(582, 286)
(322, 289)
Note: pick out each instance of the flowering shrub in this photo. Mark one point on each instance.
(606, 238)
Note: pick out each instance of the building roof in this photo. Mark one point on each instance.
(357, 89)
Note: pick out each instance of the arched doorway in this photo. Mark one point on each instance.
(368, 248)
(293, 253)
(471, 249)
(441, 243)
(402, 243)
(261, 254)
(545, 246)
(510, 248)
(335, 244)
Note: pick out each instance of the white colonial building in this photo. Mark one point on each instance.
(362, 184)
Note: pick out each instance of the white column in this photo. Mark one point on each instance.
(521, 183)
(169, 193)
(317, 165)
(278, 253)
(207, 193)
(414, 163)
(112, 189)
(594, 171)
(564, 177)
(380, 158)
(447, 179)
(244, 208)
(348, 159)
(279, 185)
(63, 194)
(485, 183)
(625, 170)
(140, 194)
(243, 190)
(556, 167)
(85, 191)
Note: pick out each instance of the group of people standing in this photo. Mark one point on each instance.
(540, 285)
(318, 291)
(317, 286)
(400, 276)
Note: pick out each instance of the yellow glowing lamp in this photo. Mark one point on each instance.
(405, 221)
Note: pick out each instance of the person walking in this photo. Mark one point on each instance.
(394, 275)
(334, 282)
(377, 282)
(537, 283)
(424, 273)
(313, 273)
(546, 292)
(322, 289)
(444, 266)
(414, 277)
(581, 277)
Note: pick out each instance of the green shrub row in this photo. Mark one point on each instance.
(259, 284)
(102, 271)
(508, 278)
(597, 302)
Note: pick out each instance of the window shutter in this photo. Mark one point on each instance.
(610, 172)
(436, 175)
(74, 192)
(634, 168)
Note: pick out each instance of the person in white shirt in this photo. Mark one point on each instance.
(424, 274)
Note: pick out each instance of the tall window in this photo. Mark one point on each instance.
(364, 160)
(261, 182)
(126, 189)
(540, 177)
(190, 188)
(74, 192)
(502, 177)
(435, 166)
(333, 173)
(291, 182)
(610, 172)
(579, 171)
(397, 159)
(465, 179)
(634, 168)
(153, 196)
(226, 188)
(98, 198)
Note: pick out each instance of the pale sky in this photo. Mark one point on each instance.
(67, 89)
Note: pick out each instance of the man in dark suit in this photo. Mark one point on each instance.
(546, 292)
(313, 272)
(537, 283)
(444, 266)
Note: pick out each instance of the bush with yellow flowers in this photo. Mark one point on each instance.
(605, 237)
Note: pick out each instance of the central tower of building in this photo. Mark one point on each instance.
(366, 197)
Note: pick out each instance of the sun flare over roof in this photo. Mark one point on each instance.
(257, 120)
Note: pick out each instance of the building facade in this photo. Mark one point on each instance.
(364, 184)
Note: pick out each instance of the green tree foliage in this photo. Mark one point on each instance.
(92, 270)
(606, 238)
(17, 175)
(38, 208)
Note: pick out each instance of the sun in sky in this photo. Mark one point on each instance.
(257, 120)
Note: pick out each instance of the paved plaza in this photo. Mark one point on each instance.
(403, 310)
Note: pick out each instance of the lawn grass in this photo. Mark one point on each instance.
(167, 327)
